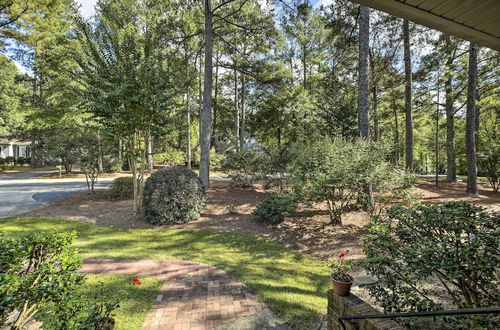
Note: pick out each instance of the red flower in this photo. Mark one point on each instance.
(136, 281)
(343, 254)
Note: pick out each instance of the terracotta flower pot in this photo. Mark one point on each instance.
(341, 288)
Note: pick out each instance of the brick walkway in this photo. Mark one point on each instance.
(193, 295)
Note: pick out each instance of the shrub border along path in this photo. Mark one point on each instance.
(193, 295)
(291, 284)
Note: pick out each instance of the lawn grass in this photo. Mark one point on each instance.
(291, 284)
(136, 300)
(23, 169)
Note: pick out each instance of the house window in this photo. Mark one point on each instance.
(22, 152)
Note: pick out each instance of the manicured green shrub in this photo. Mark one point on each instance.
(10, 160)
(454, 245)
(275, 208)
(121, 188)
(39, 280)
(21, 160)
(173, 195)
(171, 156)
(2, 160)
(28, 160)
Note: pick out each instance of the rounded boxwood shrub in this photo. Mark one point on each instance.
(173, 195)
(275, 208)
(21, 160)
(122, 188)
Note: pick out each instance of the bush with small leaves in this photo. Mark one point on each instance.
(489, 166)
(2, 160)
(173, 195)
(39, 280)
(21, 160)
(121, 188)
(275, 208)
(111, 165)
(10, 160)
(454, 245)
(243, 167)
(171, 156)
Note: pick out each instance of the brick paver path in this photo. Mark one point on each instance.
(193, 295)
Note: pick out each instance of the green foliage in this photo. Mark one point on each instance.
(453, 246)
(276, 165)
(121, 188)
(10, 159)
(11, 110)
(173, 195)
(343, 173)
(90, 156)
(39, 280)
(275, 208)
(489, 166)
(216, 160)
(170, 157)
(243, 167)
(21, 160)
(2, 160)
(111, 165)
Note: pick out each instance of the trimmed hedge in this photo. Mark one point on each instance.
(173, 195)
(273, 209)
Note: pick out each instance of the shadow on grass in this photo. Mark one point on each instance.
(291, 284)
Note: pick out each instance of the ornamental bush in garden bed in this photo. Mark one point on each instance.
(39, 280)
(453, 246)
(275, 208)
(121, 188)
(173, 195)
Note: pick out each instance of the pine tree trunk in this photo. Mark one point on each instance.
(364, 43)
(471, 123)
(188, 131)
(243, 114)
(437, 133)
(365, 198)
(451, 171)
(376, 126)
(149, 142)
(101, 156)
(215, 105)
(408, 98)
(120, 157)
(206, 114)
(396, 130)
(237, 111)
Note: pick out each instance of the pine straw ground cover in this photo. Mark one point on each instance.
(289, 283)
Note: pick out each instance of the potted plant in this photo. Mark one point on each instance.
(342, 281)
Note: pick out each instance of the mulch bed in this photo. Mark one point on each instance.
(230, 209)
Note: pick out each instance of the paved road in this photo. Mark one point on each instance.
(20, 192)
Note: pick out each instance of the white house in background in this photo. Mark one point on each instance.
(13, 147)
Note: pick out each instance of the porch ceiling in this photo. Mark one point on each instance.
(474, 20)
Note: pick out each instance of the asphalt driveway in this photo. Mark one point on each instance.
(21, 192)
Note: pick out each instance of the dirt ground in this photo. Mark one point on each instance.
(307, 231)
